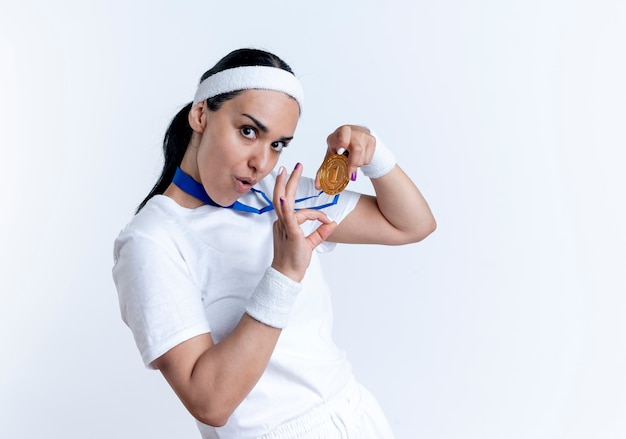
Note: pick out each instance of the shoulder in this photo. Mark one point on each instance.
(158, 224)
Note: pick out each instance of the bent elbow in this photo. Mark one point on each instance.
(213, 418)
(424, 230)
(213, 413)
(432, 226)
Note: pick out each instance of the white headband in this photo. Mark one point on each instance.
(250, 77)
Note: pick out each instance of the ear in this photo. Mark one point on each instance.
(197, 117)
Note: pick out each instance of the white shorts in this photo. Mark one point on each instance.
(353, 414)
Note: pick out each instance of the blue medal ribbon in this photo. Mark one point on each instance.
(187, 184)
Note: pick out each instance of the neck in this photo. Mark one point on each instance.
(189, 163)
(182, 198)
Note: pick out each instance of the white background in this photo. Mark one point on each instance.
(507, 322)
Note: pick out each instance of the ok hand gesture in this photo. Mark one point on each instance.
(292, 250)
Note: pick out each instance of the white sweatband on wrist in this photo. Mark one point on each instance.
(382, 162)
(273, 298)
(250, 77)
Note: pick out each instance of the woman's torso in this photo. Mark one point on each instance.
(225, 253)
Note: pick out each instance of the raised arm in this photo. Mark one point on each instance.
(398, 214)
(211, 379)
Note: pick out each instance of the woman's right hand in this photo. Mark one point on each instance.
(292, 250)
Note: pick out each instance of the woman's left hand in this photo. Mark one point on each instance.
(359, 143)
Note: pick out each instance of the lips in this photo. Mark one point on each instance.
(244, 184)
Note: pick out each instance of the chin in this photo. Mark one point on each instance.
(226, 201)
(223, 198)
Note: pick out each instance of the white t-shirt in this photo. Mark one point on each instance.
(183, 272)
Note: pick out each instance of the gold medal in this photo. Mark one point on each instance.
(334, 174)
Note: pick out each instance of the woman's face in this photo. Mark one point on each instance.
(242, 141)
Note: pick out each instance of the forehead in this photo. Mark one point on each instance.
(269, 103)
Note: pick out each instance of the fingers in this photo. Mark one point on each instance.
(286, 191)
(284, 195)
(292, 183)
(279, 192)
(320, 234)
(318, 186)
(292, 249)
(340, 138)
(359, 143)
(284, 198)
(284, 204)
(310, 215)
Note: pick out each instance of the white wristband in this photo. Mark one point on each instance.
(273, 298)
(382, 162)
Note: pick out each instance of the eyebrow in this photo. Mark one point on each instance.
(263, 128)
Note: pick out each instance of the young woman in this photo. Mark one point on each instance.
(216, 273)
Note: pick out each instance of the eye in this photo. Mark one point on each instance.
(278, 146)
(248, 132)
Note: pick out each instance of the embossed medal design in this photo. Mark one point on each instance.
(334, 174)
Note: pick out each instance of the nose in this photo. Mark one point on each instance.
(262, 159)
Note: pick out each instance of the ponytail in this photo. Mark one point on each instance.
(175, 143)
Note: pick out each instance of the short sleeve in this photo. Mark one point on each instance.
(158, 297)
